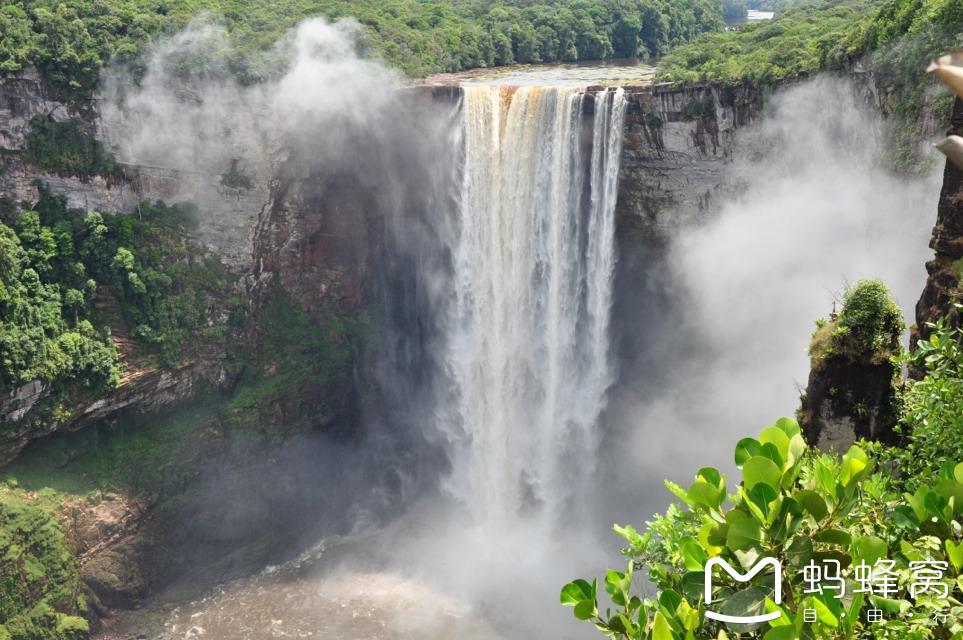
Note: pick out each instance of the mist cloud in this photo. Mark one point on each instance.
(747, 285)
(189, 113)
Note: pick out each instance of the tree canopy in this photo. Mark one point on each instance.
(70, 42)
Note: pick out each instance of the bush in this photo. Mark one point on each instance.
(932, 422)
(867, 330)
(801, 508)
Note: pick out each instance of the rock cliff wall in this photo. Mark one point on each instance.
(945, 270)
(227, 215)
(678, 152)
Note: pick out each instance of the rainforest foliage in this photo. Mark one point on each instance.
(69, 279)
(65, 147)
(895, 39)
(875, 511)
(801, 41)
(901, 34)
(40, 587)
(70, 42)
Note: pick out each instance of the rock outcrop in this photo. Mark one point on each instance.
(945, 270)
(30, 411)
(846, 401)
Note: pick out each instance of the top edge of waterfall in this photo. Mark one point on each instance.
(593, 76)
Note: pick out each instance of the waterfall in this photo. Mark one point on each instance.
(527, 338)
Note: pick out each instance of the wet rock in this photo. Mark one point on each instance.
(944, 272)
(846, 401)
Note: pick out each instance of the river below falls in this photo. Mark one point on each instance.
(307, 598)
(348, 606)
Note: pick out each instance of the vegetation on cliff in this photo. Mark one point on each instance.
(40, 588)
(70, 42)
(895, 39)
(69, 279)
(799, 42)
(867, 329)
(902, 35)
(64, 147)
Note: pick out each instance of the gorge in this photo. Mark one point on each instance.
(539, 298)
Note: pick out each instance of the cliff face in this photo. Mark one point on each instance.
(321, 223)
(945, 271)
(677, 158)
(846, 401)
(227, 214)
(32, 411)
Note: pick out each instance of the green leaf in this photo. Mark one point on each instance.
(813, 503)
(759, 469)
(789, 426)
(889, 605)
(771, 451)
(677, 491)
(670, 600)
(744, 532)
(854, 467)
(712, 476)
(955, 553)
(617, 585)
(824, 613)
(781, 633)
(778, 438)
(904, 517)
(951, 489)
(688, 616)
(745, 603)
(747, 448)
(800, 552)
(869, 549)
(704, 494)
(660, 628)
(632, 536)
(797, 448)
(958, 473)
(834, 536)
(693, 554)
(576, 591)
(693, 584)
(585, 610)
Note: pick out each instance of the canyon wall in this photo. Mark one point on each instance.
(316, 230)
(945, 270)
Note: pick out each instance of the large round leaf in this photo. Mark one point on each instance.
(743, 532)
(576, 591)
(789, 426)
(781, 633)
(745, 603)
(759, 469)
(747, 448)
(869, 549)
(813, 503)
(778, 438)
